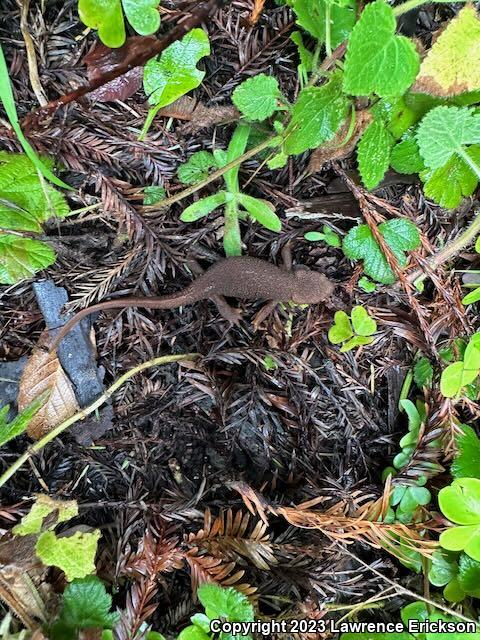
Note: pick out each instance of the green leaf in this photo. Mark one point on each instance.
(226, 603)
(400, 235)
(422, 372)
(405, 157)
(25, 200)
(460, 501)
(236, 148)
(363, 324)
(106, 17)
(203, 207)
(174, 73)
(153, 194)
(469, 575)
(21, 257)
(85, 605)
(467, 460)
(311, 16)
(455, 180)
(367, 285)
(143, 15)
(257, 97)
(373, 154)
(196, 168)
(6, 96)
(453, 592)
(443, 568)
(192, 632)
(341, 330)
(328, 236)
(377, 60)
(472, 297)
(356, 341)
(10, 430)
(33, 521)
(75, 554)
(316, 116)
(261, 211)
(444, 132)
(306, 56)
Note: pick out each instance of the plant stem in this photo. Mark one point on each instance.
(466, 158)
(90, 207)
(413, 4)
(269, 142)
(328, 29)
(83, 413)
(450, 250)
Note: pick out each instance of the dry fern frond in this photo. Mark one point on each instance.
(205, 568)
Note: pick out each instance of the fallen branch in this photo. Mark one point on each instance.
(80, 415)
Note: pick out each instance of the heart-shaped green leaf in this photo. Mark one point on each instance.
(356, 341)
(341, 330)
(106, 16)
(377, 60)
(460, 501)
(143, 15)
(363, 323)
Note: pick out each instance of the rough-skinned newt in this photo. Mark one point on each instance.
(241, 277)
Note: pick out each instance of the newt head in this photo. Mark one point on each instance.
(311, 287)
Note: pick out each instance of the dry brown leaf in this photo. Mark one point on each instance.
(334, 149)
(198, 115)
(256, 12)
(43, 372)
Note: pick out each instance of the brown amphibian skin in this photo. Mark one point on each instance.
(243, 277)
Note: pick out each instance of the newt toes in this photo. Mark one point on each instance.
(240, 277)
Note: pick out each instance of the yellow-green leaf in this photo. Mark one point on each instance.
(74, 555)
(452, 66)
(33, 521)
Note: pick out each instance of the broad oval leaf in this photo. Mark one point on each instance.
(261, 211)
(373, 154)
(377, 60)
(143, 15)
(203, 207)
(21, 258)
(460, 501)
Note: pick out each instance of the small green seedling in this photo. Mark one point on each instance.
(354, 331)
(367, 285)
(225, 603)
(107, 17)
(423, 372)
(458, 375)
(236, 204)
(327, 235)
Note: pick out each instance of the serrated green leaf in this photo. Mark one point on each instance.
(406, 158)
(33, 521)
(373, 154)
(143, 15)
(341, 330)
(469, 575)
(377, 60)
(400, 235)
(25, 200)
(311, 16)
(356, 341)
(174, 73)
(452, 66)
(261, 211)
(363, 324)
(257, 97)
(105, 16)
(21, 257)
(85, 605)
(153, 194)
(422, 372)
(226, 603)
(196, 168)
(452, 182)
(10, 430)
(316, 116)
(467, 460)
(74, 555)
(203, 207)
(8, 100)
(444, 132)
(396, 114)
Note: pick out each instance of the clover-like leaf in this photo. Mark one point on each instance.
(105, 16)
(316, 116)
(143, 15)
(21, 257)
(341, 330)
(362, 322)
(452, 66)
(257, 97)
(443, 568)
(373, 154)
(153, 194)
(460, 503)
(400, 235)
(74, 554)
(175, 72)
(196, 168)
(356, 341)
(312, 16)
(377, 60)
(444, 132)
(327, 235)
